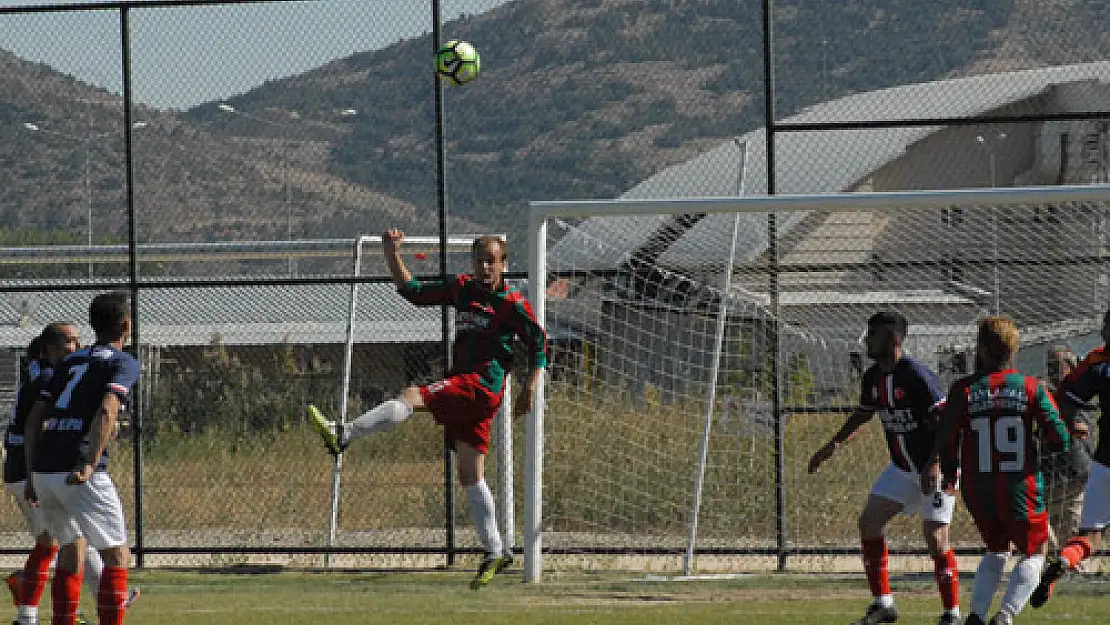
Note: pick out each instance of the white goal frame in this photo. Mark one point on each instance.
(542, 211)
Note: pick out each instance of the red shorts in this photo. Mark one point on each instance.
(1027, 536)
(463, 407)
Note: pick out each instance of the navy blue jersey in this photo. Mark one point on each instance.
(906, 400)
(75, 394)
(15, 463)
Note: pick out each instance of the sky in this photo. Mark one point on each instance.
(183, 56)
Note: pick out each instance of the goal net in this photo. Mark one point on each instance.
(703, 349)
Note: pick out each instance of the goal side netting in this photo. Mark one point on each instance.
(702, 350)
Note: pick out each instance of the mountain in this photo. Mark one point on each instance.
(577, 99)
(62, 154)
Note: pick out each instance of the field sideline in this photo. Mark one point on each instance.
(302, 598)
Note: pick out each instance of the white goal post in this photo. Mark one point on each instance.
(810, 268)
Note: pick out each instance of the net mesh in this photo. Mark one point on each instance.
(632, 308)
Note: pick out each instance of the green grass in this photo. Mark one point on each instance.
(295, 598)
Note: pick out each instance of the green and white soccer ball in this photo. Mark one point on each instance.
(457, 62)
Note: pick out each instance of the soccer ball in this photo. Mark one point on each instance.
(457, 62)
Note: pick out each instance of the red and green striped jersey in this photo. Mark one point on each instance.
(486, 322)
(990, 430)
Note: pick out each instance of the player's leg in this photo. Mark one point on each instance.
(1092, 521)
(94, 570)
(99, 513)
(65, 591)
(482, 510)
(479, 499)
(887, 499)
(945, 566)
(337, 437)
(28, 584)
(988, 575)
(112, 598)
(1030, 538)
(994, 534)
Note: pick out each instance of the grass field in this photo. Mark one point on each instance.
(296, 598)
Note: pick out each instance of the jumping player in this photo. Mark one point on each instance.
(906, 395)
(989, 437)
(1090, 379)
(66, 444)
(489, 315)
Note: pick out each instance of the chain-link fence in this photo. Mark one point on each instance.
(221, 159)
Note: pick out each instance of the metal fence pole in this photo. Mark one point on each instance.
(133, 278)
(445, 321)
(773, 285)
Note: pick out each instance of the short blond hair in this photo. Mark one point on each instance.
(997, 342)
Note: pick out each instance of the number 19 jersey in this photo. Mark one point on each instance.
(992, 427)
(74, 396)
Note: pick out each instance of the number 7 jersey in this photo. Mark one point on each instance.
(74, 396)
(990, 431)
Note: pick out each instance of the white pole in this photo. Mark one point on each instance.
(533, 431)
(505, 497)
(344, 393)
(714, 371)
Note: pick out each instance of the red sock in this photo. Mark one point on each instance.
(947, 575)
(1077, 550)
(36, 572)
(66, 595)
(874, 564)
(112, 593)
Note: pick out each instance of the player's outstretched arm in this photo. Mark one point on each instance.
(858, 417)
(425, 293)
(391, 247)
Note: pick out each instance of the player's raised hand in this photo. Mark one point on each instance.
(391, 241)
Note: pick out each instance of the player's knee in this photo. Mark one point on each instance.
(118, 557)
(869, 526)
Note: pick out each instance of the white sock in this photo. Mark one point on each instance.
(94, 566)
(1023, 580)
(987, 578)
(27, 615)
(479, 502)
(887, 601)
(380, 418)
